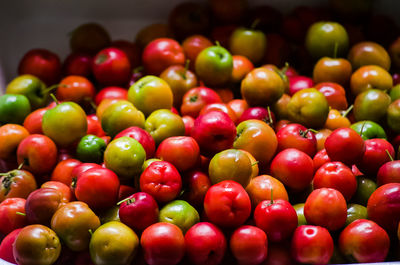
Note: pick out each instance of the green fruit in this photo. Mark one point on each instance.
(179, 213)
(300, 214)
(355, 212)
(371, 105)
(322, 37)
(249, 43)
(393, 116)
(395, 92)
(113, 243)
(365, 187)
(369, 130)
(163, 123)
(14, 108)
(91, 149)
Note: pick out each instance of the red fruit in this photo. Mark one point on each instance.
(278, 219)
(132, 50)
(384, 206)
(78, 64)
(142, 136)
(312, 245)
(326, 207)
(63, 171)
(9, 219)
(111, 67)
(198, 184)
(189, 123)
(161, 53)
(389, 173)
(345, 145)
(293, 168)
(6, 246)
(337, 176)
(205, 244)
(196, 98)
(249, 245)
(258, 113)
(297, 136)
(111, 92)
(320, 158)
(94, 126)
(364, 241)
(33, 122)
(297, 83)
(227, 204)
(334, 94)
(163, 243)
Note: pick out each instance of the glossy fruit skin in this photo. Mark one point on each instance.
(77, 64)
(14, 108)
(139, 211)
(111, 92)
(241, 67)
(94, 126)
(17, 184)
(163, 243)
(334, 94)
(40, 152)
(41, 63)
(249, 245)
(214, 66)
(230, 164)
(75, 88)
(370, 76)
(142, 136)
(150, 93)
(91, 149)
(389, 173)
(36, 244)
(365, 188)
(237, 205)
(257, 113)
(72, 223)
(201, 240)
(298, 82)
(98, 187)
(294, 168)
(364, 241)
(308, 107)
(111, 67)
(277, 218)
(335, 70)
(162, 181)
(214, 132)
(197, 185)
(375, 156)
(65, 124)
(179, 213)
(371, 105)
(163, 123)
(10, 137)
(312, 244)
(249, 43)
(31, 87)
(295, 135)
(369, 53)
(63, 171)
(111, 240)
(6, 246)
(131, 49)
(161, 53)
(259, 189)
(355, 212)
(322, 36)
(193, 45)
(9, 219)
(345, 145)
(262, 87)
(393, 116)
(384, 206)
(369, 129)
(326, 207)
(257, 138)
(182, 151)
(33, 122)
(196, 98)
(337, 176)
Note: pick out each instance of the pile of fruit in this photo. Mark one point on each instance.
(231, 134)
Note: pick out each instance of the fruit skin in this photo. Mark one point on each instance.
(337, 70)
(111, 92)
(41, 63)
(259, 189)
(384, 206)
(89, 38)
(322, 36)
(78, 63)
(369, 53)
(196, 98)
(369, 129)
(193, 45)
(214, 132)
(371, 105)
(139, 211)
(17, 184)
(236, 204)
(297, 136)
(230, 164)
(91, 149)
(163, 243)
(36, 244)
(31, 87)
(355, 212)
(150, 93)
(262, 87)
(65, 124)
(6, 246)
(249, 245)
(364, 241)
(75, 88)
(370, 76)
(345, 145)
(14, 108)
(312, 244)
(242, 39)
(198, 184)
(214, 66)
(9, 219)
(298, 82)
(72, 222)
(308, 107)
(277, 218)
(142, 136)
(334, 94)
(389, 173)
(393, 116)
(201, 240)
(179, 213)
(294, 168)
(326, 207)
(161, 53)
(11, 136)
(111, 240)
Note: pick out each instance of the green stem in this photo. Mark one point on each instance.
(335, 49)
(347, 111)
(272, 197)
(255, 163)
(21, 165)
(19, 213)
(124, 200)
(285, 68)
(90, 232)
(255, 23)
(362, 128)
(270, 116)
(54, 98)
(390, 156)
(217, 43)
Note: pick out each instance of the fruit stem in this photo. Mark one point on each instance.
(3, 174)
(90, 232)
(347, 111)
(21, 165)
(335, 50)
(91, 102)
(255, 163)
(138, 69)
(217, 43)
(285, 68)
(269, 116)
(255, 23)
(124, 200)
(54, 98)
(390, 156)
(362, 128)
(19, 213)
(272, 197)
(187, 62)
